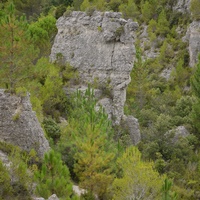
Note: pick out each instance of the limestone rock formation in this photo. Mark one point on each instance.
(19, 125)
(101, 47)
(193, 38)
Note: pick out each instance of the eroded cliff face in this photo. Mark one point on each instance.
(101, 47)
(19, 125)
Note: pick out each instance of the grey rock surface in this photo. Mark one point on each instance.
(182, 6)
(101, 47)
(166, 73)
(106, 103)
(53, 197)
(19, 125)
(193, 37)
(178, 133)
(132, 125)
(181, 131)
(78, 191)
(5, 160)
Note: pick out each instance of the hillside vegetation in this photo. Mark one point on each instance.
(86, 148)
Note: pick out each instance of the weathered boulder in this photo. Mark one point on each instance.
(193, 37)
(19, 125)
(101, 47)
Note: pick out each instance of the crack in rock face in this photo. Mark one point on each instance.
(101, 47)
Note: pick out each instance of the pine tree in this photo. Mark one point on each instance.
(129, 10)
(137, 89)
(31, 9)
(54, 177)
(163, 24)
(93, 162)
(195, 83)
(148, 10)
(16, 51)
(195, 80)
(91, 151)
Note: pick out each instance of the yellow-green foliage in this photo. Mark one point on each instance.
(16, 116)
(138, 179)
(21, 91)
(129, 10)
(148, 10)
(16, 52)
(195, 9)
(41, 33)
(6, 190)
(88, 146)
(100, 4)
(92, 166)
(15, 183)
(152, 28)
(6, 147)
(166, 53)
(85, 5)
(163, 24)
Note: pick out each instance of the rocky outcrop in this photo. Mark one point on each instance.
(182, 6)
(101, 47)
(193, 38)
(19, 125)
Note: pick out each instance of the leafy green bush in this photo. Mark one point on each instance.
(52, 129)
(195, 9)
(6, 191)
